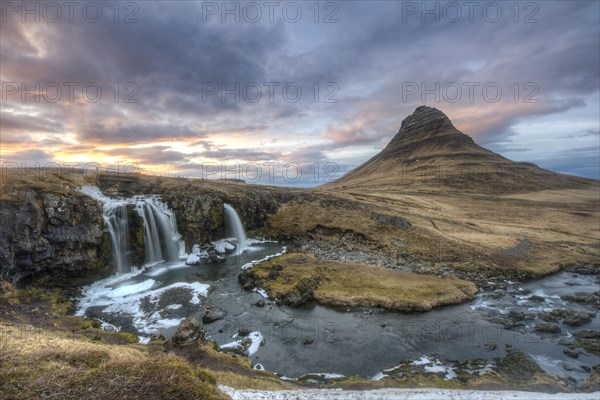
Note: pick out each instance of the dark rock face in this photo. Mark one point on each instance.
(199, 216)
(200, 213)
(57, 235)
(398, 222)
(136, 243)
(424, 120)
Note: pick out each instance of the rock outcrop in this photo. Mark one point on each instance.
(58, 235)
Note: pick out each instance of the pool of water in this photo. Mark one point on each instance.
(317, 339)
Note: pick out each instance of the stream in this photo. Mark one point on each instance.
(313, 339)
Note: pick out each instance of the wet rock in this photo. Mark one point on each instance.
(536, 298)
(217, 259)
(248, 279)
(240, 349)
(585, 269)
(212, 314)
(586, 368)
(506, 323)
(571, 353)
(573, 318)
(548, 328)
(577, 319)
(592, 299)
(586, 334)
(572, 283)
(307, 341)
(190, 331)
(568, 367)
(516, 315)
(260, 303)
(243, 332)
(491, 346)
(519, 316)
(549, 317)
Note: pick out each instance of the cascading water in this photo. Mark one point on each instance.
(159, 224)
(234, 224)
(160, 231)
(115, 217)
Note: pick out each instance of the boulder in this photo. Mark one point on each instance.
(212, 314)
(193, 259)
(536, 298)
(548, 328)
(190, 331)
(585, 334)
(571, 353)
(592, 299)
(577, 319)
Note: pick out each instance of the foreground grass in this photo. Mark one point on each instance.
(48, 364)
(44, 352)
(353, 285)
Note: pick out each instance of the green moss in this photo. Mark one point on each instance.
(590, 345)
(517, 367)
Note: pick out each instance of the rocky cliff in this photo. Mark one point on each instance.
(56, 234)
(49, 229)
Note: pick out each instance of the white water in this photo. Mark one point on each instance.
(115, 217)
(160, 228)
(234, 224)
(161, 239)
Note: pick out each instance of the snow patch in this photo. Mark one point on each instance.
(256, 262)
(256, 339)
(127, 300)
(396, 394)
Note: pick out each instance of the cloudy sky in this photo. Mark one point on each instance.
(191, 87)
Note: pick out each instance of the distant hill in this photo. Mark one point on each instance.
(429, 153)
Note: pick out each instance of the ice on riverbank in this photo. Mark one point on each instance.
(398, 394)
(256, 339)
(267, 258)
(138, 305)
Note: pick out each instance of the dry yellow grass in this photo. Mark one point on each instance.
(354, 285)
(48, 364)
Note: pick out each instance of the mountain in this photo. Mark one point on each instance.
(429, 153)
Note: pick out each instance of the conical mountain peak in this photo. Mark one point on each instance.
(424, 120)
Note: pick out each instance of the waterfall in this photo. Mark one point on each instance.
(160, 231)
(161, 239)
(115, 217)
(234, 224)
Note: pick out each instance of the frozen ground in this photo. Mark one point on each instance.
(399, 394)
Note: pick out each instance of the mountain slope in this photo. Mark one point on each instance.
(429, 153)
